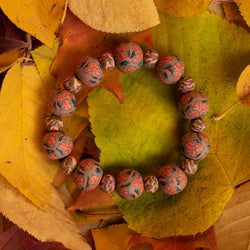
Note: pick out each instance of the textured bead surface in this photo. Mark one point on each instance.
(186, 84)
(69, 164)
(151, 183)
(89, 71)
(72, 84)
(172, 179)
(169, 69)
(107, 61)
(57, 145)
(88, 174)
(129, 184)
(107, 183)
(194, 146)
(150, 59)
(193, 105)
(189, 166)
(53, 123)
(197, 125)
(62, 103)
(128, 57)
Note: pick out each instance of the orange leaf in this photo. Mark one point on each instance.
(205, 240)
(88, 199)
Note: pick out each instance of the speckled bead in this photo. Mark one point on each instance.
(151, 183)
(193, 105)
(53, 123)
(129, 184)
(72, 84)
(194, 146)
(189, 166)
(150, 59)
(169, 69)
(57, 145)
(172, 179)
(197, 125)
(186, 84)
(88, 174)
(62, 103)
(107, 183)
(107, 61)
(68, 165)
(89, 71)
(128, 57)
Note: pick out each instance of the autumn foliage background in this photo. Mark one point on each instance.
(40, 44)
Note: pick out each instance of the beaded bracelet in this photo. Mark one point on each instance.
(129, 184)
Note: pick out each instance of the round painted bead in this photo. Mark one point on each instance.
(53, 123)
(169, 69)
(107, 61)
(194, 146)
(88, 174)
(197, 125)
(72, 84)
(62, 103)
(151, 183)
(89, 71)
(189, 166)
(193, 105)
(68, 165)
(57, 145)
(107, 183)
(151, 57)
(172, 179)
(129, 184)
(128, 57)
(186, 84)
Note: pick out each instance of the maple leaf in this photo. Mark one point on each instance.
(16, 238)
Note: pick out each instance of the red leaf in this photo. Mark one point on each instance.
(7, 44)
(204, 240)
(16, 238)
(88, 199)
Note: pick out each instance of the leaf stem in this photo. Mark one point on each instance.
(29, 41)
(219, 117)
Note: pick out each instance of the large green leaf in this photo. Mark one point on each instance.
(144, 132)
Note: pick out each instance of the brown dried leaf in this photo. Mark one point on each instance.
(232, 229)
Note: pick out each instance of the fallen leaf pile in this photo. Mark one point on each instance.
(127, 121)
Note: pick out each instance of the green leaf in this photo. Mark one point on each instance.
(144, 132)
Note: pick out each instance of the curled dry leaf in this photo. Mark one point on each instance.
(116, 16)
(22, 127)
(180, 8)
(205, 240)
(54, 224)
(16, 238)
(39, 18)
(232, 229)
(243, 86)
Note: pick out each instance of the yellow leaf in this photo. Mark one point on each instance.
(116, 16)
(232, 229)
(39, 18)
(114, 237)
(55, 224)
(244, 6)
(243, 86)
(182, 8)
(43, 57)
(22, 112)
